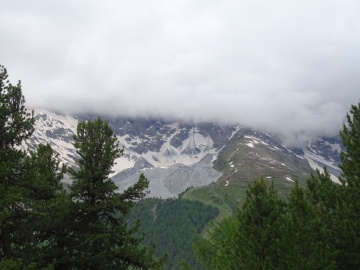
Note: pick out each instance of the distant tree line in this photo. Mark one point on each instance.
(44, 227)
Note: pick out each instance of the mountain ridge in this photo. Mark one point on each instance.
(177, 155)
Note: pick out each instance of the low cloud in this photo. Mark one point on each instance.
(284, 67)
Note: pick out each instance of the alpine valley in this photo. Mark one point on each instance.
(175, 156)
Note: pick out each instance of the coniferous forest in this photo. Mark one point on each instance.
(173, 225)
(93, 226)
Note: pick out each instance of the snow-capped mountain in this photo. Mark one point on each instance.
(174, 155)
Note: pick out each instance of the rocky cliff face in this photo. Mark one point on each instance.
(175, 155)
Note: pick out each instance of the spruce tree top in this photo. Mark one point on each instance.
(350, 160)
(16, 124)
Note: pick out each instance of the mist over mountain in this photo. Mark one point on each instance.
(281, 67)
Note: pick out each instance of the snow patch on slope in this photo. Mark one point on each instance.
(317, 163)
(237, 128)
(56, 130)
(122, 163)
(192, 150)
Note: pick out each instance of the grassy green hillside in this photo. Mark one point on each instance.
(242, 161)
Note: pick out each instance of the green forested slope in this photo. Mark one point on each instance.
(172, 225)
(241, 164)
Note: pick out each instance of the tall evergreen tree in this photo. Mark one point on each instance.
(249, 239)
(30, 189)
(100, 237)
(304, 242)
(258, 232)
(339, 204)
(16, 125)
(47, 204)
(350, 159)
(349, 204)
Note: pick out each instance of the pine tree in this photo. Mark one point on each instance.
(248, 240)
(305, 241)
(339, 204)
(30, 191)
(99, 234)
(16, 125)
(258, 232)
(349, 204)
(323, 192)
(48, 205)
(350, 159)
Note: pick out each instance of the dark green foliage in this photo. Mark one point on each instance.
(48, 202)
(172, 225)
(249, 239)
(15, 126)
(325, 195)
(257, 233)
(97, 235)
(324, 192)
(269, 232)
(348, 211)
(30, 191)
(339, 204)
(350, 160)
(218, 251)
(304, 242)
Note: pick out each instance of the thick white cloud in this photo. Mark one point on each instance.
(285, 66)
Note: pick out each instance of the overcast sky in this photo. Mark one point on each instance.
(288, 66)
